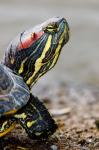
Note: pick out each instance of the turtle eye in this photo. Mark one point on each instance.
(52, 27)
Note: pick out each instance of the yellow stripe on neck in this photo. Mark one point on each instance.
(38, 63)
(22, 66)
(58, 48)
(57, 54)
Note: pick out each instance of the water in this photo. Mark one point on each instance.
(80, 57)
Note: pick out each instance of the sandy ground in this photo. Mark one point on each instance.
(76, 111)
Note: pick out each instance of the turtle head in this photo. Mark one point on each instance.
(33, 52)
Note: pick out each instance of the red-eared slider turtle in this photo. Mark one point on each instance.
(29, 56)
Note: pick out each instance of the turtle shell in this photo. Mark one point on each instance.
(14, 93)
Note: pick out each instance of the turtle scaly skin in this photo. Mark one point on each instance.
(38, 122)
(30, 55)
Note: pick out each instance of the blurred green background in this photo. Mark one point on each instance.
(79, 59)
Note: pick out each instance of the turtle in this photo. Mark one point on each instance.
(28, 57)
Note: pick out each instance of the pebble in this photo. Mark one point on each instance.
(54, 147)
(60, 112)
(97, 123)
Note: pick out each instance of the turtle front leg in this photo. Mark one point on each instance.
(36, 120)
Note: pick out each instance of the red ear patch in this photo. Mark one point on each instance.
(29, 40)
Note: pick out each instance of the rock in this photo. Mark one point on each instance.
(54, 147)
(97, 123)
